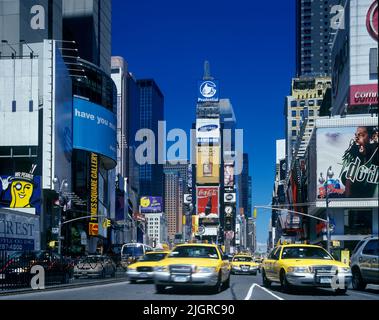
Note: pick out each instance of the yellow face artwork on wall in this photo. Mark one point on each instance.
(21, 192)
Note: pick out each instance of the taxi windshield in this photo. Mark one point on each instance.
(305, 253)
(194, 252)
(153, 257)
(243, 259)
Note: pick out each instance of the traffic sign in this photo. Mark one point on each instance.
(55, 230)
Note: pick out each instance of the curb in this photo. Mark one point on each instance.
(62, 287)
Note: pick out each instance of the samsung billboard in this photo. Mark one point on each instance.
(94, 128)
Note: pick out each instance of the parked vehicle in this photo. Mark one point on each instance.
(16, 269)
(304, 265)
(364, 263)
(95, 266)
(130, 252)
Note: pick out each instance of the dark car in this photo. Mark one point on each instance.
(16, 269)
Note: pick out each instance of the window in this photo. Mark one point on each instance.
(294, 123)
(372, 248)
(294, 133)
(358, 222)
(115, 71)
(294, 103)
(373, 63)
(277, 254)
(293, 113)
(311, 113)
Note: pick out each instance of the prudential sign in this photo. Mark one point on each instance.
(208, 91)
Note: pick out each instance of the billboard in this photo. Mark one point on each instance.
(207, 202)
(94, 128)
(19, 231)
(351, 153)
(363, 95)
(208, 165)
(208, 131)
(228, 175)
(208, 91)
(151, 204)
(21, 191)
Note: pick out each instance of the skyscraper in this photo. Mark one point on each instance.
(88, 23)
(313, 36)
(176, 177)
(151, 112)
(245, 187)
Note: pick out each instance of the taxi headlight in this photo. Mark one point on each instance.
(205, 269)
(343, 270)
(161, 269)
(299, 269)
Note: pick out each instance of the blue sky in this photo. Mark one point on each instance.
(251, 49)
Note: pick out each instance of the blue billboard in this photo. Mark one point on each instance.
(208, 91)
(94, 128)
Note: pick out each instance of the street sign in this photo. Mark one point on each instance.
(54, 230)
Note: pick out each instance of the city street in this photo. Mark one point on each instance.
(241, 288)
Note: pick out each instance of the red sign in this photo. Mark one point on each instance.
(372, 20)
(363, 94)
(207, 201)
(93, 229)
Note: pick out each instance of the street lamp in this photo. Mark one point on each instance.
(63, 185)
(324, 182)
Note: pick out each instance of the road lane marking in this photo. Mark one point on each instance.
(250, 292)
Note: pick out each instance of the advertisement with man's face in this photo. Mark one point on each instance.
(350, 155)
(207, 202)
(229, 175)
(208, 164)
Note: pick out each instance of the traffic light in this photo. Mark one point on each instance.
(52, 244)
(255, 213)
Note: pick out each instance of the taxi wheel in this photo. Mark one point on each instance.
(340, 291)
(227, 283)
(286, 287)
(266, 282)
(218, 287)
(160, 288)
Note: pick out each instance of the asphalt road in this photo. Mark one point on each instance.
(242, 287)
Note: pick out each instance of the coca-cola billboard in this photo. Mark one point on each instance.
(207, 202)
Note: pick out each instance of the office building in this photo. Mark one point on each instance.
(88, 23)
(175, 179)
(313, 36)
(151, 112)
(156, 225)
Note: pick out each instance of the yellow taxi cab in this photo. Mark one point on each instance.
(305, 265)
(194, 265)
(244, 264)
(143, 269)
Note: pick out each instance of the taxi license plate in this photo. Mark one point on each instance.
(325, 280)
(143, 275)
(245, 268)
(180, 279)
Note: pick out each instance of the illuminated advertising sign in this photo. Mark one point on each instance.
(195, 224)
(350, 154)
(230, 197)
(208, 131)
(229, 175)
(363, 95)
(372, 20)
(94, 128)
(21, 191)
(208, 91)
(208, 165)
(207, 202)
(94, 186)
(151, 204)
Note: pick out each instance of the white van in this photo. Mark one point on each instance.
(130, 252)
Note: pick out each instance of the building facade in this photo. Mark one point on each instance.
(314, 28)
